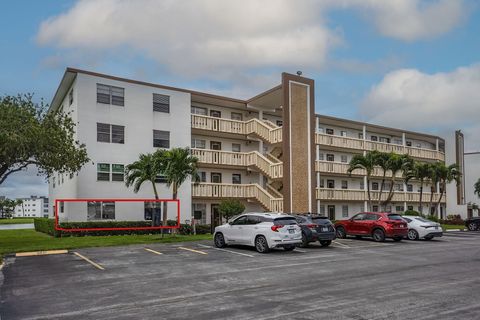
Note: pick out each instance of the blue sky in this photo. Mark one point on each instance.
(368, 58)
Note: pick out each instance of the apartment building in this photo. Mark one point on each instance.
(34, 206)
(272, 152)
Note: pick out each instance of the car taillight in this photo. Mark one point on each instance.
(312, 226)
(275, 228)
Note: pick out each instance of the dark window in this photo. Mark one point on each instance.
(118, 134)
(375, 208)
(236, 116)
(374, 185)
(215, 145)
(410, 207)
(202, 176)
(215, 113)
(240, 221)
(161, 103)
(103, 171)
(330, 157)
(384, 139)
(279, 123)
(408, 143)
(409, 187)
(110, 95)
(103, 93)
(118, 172)
(374, 138)
(253, 220)
(103, 132)
(329, 131)
(215, 177)
(331, 184)
(360, 135)
(236, 147)
(99, 210)
(236, 178)
(70, 97)
(343, 133)
(344, 184)
(161, 139)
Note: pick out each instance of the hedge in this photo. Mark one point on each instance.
(47, 226)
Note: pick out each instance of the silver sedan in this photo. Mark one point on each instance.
(421, 228)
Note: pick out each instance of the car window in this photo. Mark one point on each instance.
(359, 217)
(252, 219)
(395, 217)
(284, 221)
(407, 219)
(371, 217)
(240, 220)
(421, 219)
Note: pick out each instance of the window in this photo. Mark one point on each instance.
(384, 139)
(161, 139)
(362, 185)
(322, 183)
(331, 184)
(110, 95)
(399, 209)
(200, 213)
(202, 175)
(198, 143)
(103, 172)
(375, 208)
(118, 171)
(70, 97)
(110, 133)
(215, 113)
(399, 187)
(161, 103)
(408, 143)
(344, 184)
(374, 138)
(322, 209)
(236, 116)
(215, 145)
(343, 133)
(236, 147)
(279, 123)
(345, 211)
(374, 185)
(409, 187)
(344, 158)
(199, 110)
(330, 157)
(329, 131)
(410, 207)
(360, 135)
(216, 177)
(99, 210)
(320, 156)
(236, 178)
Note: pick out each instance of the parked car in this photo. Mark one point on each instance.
(421, 228)
(378, 225)
(473, 223)
(316, 228)
(264, 231)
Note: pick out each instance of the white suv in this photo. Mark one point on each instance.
(264, 231)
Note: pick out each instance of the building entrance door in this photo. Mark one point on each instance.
(215, 217)
(331, 212)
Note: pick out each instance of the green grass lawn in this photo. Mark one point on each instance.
(453, 226)
(16, 220)
(29, 240)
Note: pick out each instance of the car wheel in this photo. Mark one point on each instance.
(472, 226)
(304, 243)
(397, 239)
(378, 235)
(261, 244)
(289, 248)
(412, 235)
(325, 243)
(358, 237)
(219, 241)
(341, 234)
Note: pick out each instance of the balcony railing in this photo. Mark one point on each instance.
(360, 144)
(244, 159)
(241, 191)
(249, 127)
(361, 195)
(342, 168)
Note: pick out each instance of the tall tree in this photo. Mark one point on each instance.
(446, 174)
(421, 171)
(381, 160)
(29, 135)
(230, 208)
(395, 164)
(179, 165)
(476, 188)
(434, 178)
(364, 162)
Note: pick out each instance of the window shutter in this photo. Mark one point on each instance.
(161, 103)
(103, 132)
(103, 93)
(118, 134)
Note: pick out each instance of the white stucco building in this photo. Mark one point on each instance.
(34, 206)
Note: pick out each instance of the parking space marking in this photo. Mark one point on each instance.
(341, 244)
(40, 253)
(152, 251)
(96, 265)
(193, 250)
(225, 250)
(298, 250)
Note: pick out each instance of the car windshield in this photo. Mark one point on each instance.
(284, 221)
(395, 217)
(423, 220)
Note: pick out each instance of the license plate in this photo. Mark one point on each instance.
(324, 229)
(291, 231)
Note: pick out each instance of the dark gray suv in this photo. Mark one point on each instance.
(315, 228)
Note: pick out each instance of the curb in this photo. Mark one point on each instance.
(452, 230)
(40, 253)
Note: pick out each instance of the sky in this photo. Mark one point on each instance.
(411, 64)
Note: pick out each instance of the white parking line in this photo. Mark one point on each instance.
(152, 251)
(298, 250)
(96, 265)
(225, 250)
(341, 244)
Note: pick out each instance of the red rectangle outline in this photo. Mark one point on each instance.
(57, 227)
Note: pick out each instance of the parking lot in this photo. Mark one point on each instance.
(352, 279)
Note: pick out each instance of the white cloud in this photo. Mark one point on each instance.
(216, 39)
(439, 102)
(24, 184)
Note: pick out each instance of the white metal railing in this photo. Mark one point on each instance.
(361, 195)
(245, 191)
(245, 159)
(342, 168)
(360, 144)
(267, 132)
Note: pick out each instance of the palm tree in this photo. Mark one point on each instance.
(179, 165)
(381, 159)
(434, 177)
(476, 188)
(421, 171)
(145, 169)
(446, 174)
(398, 163)
(364, 162)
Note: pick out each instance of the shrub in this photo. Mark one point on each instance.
(453, 219)
(412, 213)
(230, 208)
(202, 228)
(433, 218)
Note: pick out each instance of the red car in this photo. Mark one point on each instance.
(378, 225)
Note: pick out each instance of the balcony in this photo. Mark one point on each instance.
(265, 131)
(239, 191)
(365, 145)
(341, 168)
(242, 159)
(361, 195)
